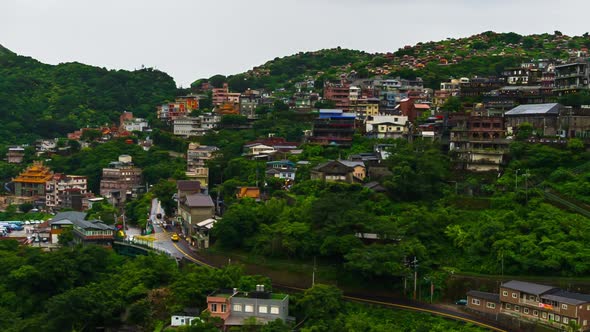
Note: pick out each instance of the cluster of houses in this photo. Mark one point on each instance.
(40, 186)
(536, 303)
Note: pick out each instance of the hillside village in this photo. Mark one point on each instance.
(355, 164)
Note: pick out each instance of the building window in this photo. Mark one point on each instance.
(557, 318)
(248, 308)
(475, 301)
(214, 307)
(504, 293)
(564, 306)
(535, 313)
(223, 307)
(585, 322)
(263, 309)
(525, 310)
(274, 310)
(565, 320)
(544, 315)
(508, 306)
(237, 307)
(516, 308)
(491, 305)
(514, 296)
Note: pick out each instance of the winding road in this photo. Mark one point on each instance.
(182, 250)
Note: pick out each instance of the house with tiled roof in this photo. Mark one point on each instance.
(193, 209)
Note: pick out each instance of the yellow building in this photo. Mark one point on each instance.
(31, 182)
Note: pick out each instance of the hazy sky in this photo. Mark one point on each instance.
(195, 39)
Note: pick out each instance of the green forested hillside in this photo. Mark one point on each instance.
(40, 100)
(482, 54)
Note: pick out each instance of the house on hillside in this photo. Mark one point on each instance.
(236, 307)
(540, 304)
(193, 209)
(63, 220)
(543, 117)
(282, 169)
(94, 232)
(248, 192)
(339, 171)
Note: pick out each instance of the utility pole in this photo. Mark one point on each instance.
(516, 181)
(526, 186)
(313, 273)
(502, 255)
(431, 290)
(406, 264)
(415, 263)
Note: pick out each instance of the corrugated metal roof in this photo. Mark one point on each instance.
(485, 295)
(199, 200)
(527, 287)
(567, 297)
(552, 108)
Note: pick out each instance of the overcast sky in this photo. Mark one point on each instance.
(191, 39)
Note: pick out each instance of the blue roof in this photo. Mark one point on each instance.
(335, 114)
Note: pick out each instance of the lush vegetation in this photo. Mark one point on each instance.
(39, 100)
(449, 221)
(479, 55)
(84, 288)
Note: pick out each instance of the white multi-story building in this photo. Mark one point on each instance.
(136, 124)
(386, 126)
(65, 191)
(187, 126)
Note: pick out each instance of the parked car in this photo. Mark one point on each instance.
(461, 302)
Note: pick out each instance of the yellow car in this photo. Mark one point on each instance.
(175, 237)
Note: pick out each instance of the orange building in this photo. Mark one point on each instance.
(31, 182)
(228, 108)
(250, 192)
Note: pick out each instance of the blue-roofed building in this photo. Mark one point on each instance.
(333, 127)
(543, 117)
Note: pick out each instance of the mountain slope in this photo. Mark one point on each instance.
(482, 54)
(40, 100)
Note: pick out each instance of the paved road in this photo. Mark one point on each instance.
(182, 250)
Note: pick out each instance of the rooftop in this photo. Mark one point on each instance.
(552, 108)
(198, 200)
(527, 287)
(567, 297)
(485, 295)
(187, 185)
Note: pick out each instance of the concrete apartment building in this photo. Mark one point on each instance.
(66, 191)
(333, 126)
(235, 307)
(120, 179)
(572, 77)
(187, 126)
(15, 155)
(478, 142)
(339, 93)
(192, 209)
(197, 157)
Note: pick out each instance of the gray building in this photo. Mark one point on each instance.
(234, 306)
(543, 117)
(572, 77)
